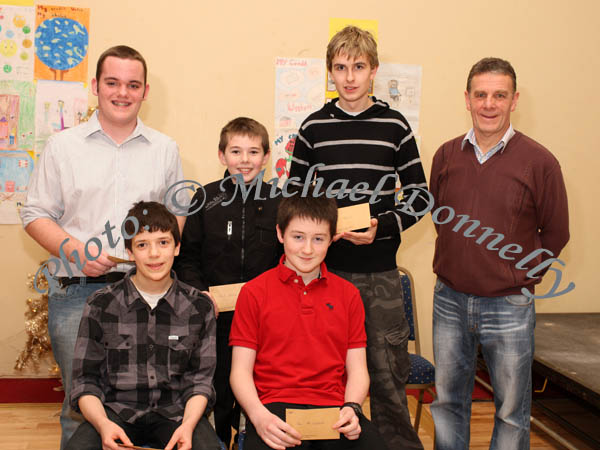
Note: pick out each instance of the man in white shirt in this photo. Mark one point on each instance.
(86, 180)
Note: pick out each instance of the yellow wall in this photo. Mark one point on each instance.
(212, 61)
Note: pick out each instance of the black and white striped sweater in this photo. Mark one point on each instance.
(374, 149)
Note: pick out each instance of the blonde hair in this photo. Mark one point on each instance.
(353, 42)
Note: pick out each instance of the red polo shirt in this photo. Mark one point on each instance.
(301, 334)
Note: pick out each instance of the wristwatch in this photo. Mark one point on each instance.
(355, 406)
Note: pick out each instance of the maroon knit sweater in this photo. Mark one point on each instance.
(518, 192)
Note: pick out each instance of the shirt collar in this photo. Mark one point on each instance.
(470, 137)
(287, 275)
(93, 126)
(133, 299)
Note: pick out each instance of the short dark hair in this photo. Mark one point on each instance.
(244, 126)
(320, 209)
(495, 65)
(121, 52)
(153, 215)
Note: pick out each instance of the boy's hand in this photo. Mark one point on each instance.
(348, 424)
(275, 432)
(208, 294)
(363, 237)
(109, 433)
(182, 436)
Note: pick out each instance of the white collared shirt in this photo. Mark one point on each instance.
(83, 179)
(499, 147)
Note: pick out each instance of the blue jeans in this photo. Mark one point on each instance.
(504, 326)
(65, 307)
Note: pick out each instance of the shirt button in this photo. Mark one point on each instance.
(296, 281)
(304, 292)
(152, 377)
(151, 347)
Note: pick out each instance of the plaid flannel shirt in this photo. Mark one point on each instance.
(137, 360)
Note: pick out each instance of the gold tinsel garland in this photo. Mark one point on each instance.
(38, 345)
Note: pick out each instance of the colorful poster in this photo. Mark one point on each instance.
(58, 105)
(400, 86)
(338, 24)
(16, 115)
(15, 169)
(298, 92)
(16, 43)
(61, 43)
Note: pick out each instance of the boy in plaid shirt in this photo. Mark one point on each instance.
(145, 352)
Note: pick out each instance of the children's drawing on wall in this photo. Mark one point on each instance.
(61, 43)
(15, 169)
(298, 92)
(58, 105)
(283, 147)
(400, 86)
(16, 115)
(16, 43)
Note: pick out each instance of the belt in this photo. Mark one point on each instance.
(110, 277)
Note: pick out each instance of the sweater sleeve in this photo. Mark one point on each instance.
(553, 212)
(407, 164)
(189, 267)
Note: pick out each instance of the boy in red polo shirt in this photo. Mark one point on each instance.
(299, 340)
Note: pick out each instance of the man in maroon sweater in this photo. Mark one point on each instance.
(501, 210)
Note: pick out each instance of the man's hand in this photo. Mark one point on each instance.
(275, 432)
(109, 433)
(182, 436)
(348, 424)
(94, 268)
(209, 295)
(361, 238)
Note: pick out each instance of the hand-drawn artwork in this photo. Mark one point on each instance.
(16, 115)
(400, 86)
(298, 92)
(61, 43)
(15, 169)
(58, 105)
(283, 148)
(16, 43)
(338, 24)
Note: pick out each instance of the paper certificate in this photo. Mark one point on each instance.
(353, 217)
(226, 295)
(314, 423)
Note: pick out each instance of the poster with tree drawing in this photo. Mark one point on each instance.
(61, 43)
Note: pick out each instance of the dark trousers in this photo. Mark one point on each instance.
(150, 429)
(387, 355)
(227, 412)
(369, 438)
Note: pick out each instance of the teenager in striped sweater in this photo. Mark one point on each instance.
(362, 147)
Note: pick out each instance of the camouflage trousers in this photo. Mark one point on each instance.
(387, 355)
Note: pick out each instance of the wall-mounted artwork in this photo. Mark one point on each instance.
(59, 105)
(16, 43)
(61, 43)
(298, 92)
(15, 169)
(16, 115)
